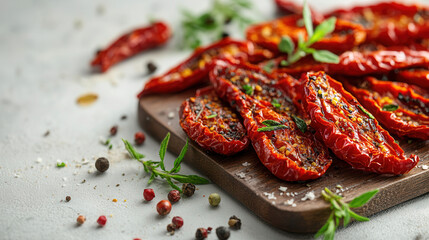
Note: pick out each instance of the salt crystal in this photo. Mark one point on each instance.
(246, 164)
(309, 196)
(64, 179)
(16, 175)
(281, 194)
(289, 202)
(425, 167)
(294, 205)
(287, 194)
(241, 175)
(39, 160)
(103, 140)
(170, 115)
(283, 189)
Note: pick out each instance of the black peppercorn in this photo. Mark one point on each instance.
(201, 233)
(223, 233)
(68, 198)
(234, 222)
(225, 35)
(188, 189)
(170, 228)
(102, 164)
(113, 130)
(151, 67)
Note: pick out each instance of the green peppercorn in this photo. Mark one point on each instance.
(223, 233)
(102, 164)
(214, 199)
(188, 189)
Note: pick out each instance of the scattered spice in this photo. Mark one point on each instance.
(81, 219)
(46, 133)
(177, 222)
(209, 229)
(117, 185)
(68, 198)
(174, 196)
(61, 164)
(123, 117)
(102, 164)
(201, 233)
(102, 220)
(87, 99)
(148, 194)
(170, 228)
(163, 207)
(214, 199)
(113, 130)
(234, 222)
(115, 200)
(139, 138)
(223, 233)
(151, 67)
(188, 189)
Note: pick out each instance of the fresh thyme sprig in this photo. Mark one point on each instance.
(286, 44)
(271, 125)
(341, 210)
(152, 167)
(212, 22)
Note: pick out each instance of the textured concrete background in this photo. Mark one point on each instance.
(45, 49)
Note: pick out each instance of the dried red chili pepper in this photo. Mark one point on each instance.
(289, 152)
(194, 69)
(212, 124)
(389, 23)
(418, 77)
(349, 130)
(395, 105)
(345, 36)
(127, 45)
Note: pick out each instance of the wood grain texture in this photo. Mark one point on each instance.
(307, 216)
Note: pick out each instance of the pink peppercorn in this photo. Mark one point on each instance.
(177, 222)
(139, 138)
(102, 220)
(174, 196)
(148, 194)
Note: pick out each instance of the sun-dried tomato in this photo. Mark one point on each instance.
(132, 43)
(417, 76)
(395, 105)
(349, 130)
(195, 69)
(389, 23)
(291, 153)
(212, 124)
(288, 7)
(345, 36)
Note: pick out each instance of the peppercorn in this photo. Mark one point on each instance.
(102, 164)
(170, 228)
(148, 194)
(174, 196)
(123, 117)
(81, 219)
(177, 222)
(234, 222)
(223, 233)
(209, 229)
(102, 220)
(113, 130)
(151, 67)
(214, 199)
(163, 207)
(139, 138)
(188, 189)
(68, 198)
(201, 233)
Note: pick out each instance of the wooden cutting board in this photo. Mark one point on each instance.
(158, 114)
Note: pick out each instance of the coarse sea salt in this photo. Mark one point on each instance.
(309, 196)
(241, 175)
(39, 160)
(245, 164)
(283, 189)
(425, 167)
(270, 196)
(290, 202)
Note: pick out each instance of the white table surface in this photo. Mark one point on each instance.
(45, 49)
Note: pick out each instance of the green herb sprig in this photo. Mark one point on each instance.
(300, 123)
(341, 210)
(390, 107)
(286, 44)
(248, 89)
(271, 125)
(212, 116)
(366, 112)
(212, 22)
(157, 168)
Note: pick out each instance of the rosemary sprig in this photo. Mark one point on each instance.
(341, 210)
(213, 21)
(152, 167)
(286, 44)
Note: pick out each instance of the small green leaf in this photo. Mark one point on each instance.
(248, 89)
(390, 107)
(326, 27)
(325, 56)
(268, 67)
(194, 179)
(275, 103)
(152, 177)
(346, 220)
(366, 112)
(178, 161)
(211, 116)
(308, 21)
(61, 164)
(110, 146)
(358, 217)
(163, 150)
(323, 229)
(270, 123)
(133, 153)
(363, 199)
(300, 123)
(272, 128)
(284, 63)
(107, 142)
(330, 232)
(286, 45)
(172, 184)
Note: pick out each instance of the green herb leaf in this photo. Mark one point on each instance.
(366, 112)
(248, 89)
(61, 164)
(284, 63)
(300, 123)
(269, 67)
(134, 154)
(390, 107)
(173, 185)
(178, 161)
(163, 150)
(358, 217)
(107, 142)
(275, 103)
(270, 123)
(326, 27)
(194, 179)
(211, 116)
(325, 56)
(286, 45)
(272, 128)
(363, 199)
(152, 177)
(308, 21)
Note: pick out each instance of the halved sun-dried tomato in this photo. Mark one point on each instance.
(395, 105)
(288, 7)
(195, 69)
(349, 130)
(279, 136)
(416, 76)
(212, 124)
